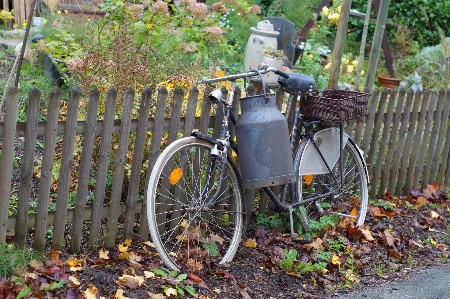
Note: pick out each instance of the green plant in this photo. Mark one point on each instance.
(15, 261)
(290, 263)
(177, 280)
(270, 222)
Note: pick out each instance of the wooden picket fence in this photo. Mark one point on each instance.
(404, 138)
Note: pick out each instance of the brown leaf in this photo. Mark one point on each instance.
(388, 238)
(316, 244)
(353, 231)
(367, 234)
(421, 201)
(250, 243)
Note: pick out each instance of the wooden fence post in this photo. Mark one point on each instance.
(84, 171)
(26, 170)
(102, 167)
(65, 169)
(9, 135)
(119, 167)
(46, 168)
(138, 155)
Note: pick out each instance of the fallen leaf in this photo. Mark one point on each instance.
(74, 280)
(122, 248)
(367, 234)
(335, 260)
(175, 176)
(415, 243)
(103, 254)
(308, 179)
(127, 242)
(149, 274)
(74, 269)
(91, 292)
(133, 256)
(434, 214)
(170, 291)
(388, 239)
(155, 296)
(148, 243)
(421, 201)
(131, 282)
(316, 244)
(217, 238)
(250, 243)
(119, 295)
(73, 262)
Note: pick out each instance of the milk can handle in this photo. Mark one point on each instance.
(260, 40)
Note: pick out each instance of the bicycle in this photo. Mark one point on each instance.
(195, 193)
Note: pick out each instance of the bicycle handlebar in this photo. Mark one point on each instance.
(264, 69)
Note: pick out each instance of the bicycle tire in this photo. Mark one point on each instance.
(186, 233)
(353, 196)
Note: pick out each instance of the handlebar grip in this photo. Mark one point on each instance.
(282, 74)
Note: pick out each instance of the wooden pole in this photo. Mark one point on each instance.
(376, 44)
(339, 44)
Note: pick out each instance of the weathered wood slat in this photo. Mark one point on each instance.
(46, 169)
(369, 124)
(392, 140)
(395, 167)
(435, 176)
(155, 149)
(436, 118)
(383, 141)
(102, 167)
(376, 132)
(425, 139)
(84, 171)
(443, 169)
(6, 166)
(408, 143)
(138, 156)
(417, 142)
(65, 172)
(26, 170)
(119, 167)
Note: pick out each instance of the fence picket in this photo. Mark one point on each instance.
(102, 167)
(155, 145)
(46, 168)
(65, 169)
(442, 132)
(443, 170)
(395, 167)
(6, 166)
(84, 171)
(401, 183)
(138, 156)
(392, 140)
(385, 135)
(417, 141)
(119, 167)
(26, 170)
(436, 118)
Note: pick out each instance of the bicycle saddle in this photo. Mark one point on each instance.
(296, 83)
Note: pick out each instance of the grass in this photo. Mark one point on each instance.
(14, 260)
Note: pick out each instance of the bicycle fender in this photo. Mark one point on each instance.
(361, 156)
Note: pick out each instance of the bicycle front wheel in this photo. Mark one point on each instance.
(350, 191)
(192, 218)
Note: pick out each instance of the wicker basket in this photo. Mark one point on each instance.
(336, 105)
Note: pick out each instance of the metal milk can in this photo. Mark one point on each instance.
(263, 36)
(265, 155)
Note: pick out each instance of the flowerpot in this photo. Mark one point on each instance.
(276, 62)
(387, 81)
(262, 36)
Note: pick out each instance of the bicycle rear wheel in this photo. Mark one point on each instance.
(193, 219)
(351, 194)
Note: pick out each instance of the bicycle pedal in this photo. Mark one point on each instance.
(301, 240)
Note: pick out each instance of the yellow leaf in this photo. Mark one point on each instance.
(119, 295)
(308, 179)
(124, 255)
(335, 260)
(353, 213)
(316, 244)
(175, 176)
(376, 214)
(149, 26)
(170, 291)
(220, 73)
(127, 242)
(73, 262)
(250, 243)
(149, 274)
(148, 243)
(433, 242)
(349, 275)
(122, 248)
(103, 254)
(434, 214)
(183, 224)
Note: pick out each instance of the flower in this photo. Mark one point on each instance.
(355, 62)
(325, 11)
(24, 24)
(149, 26)
(198, 10)
(58, 12)
(161, 6)
(256, 9)
(215, 33)
(66, 11)
(189, 47)
(349, 68)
